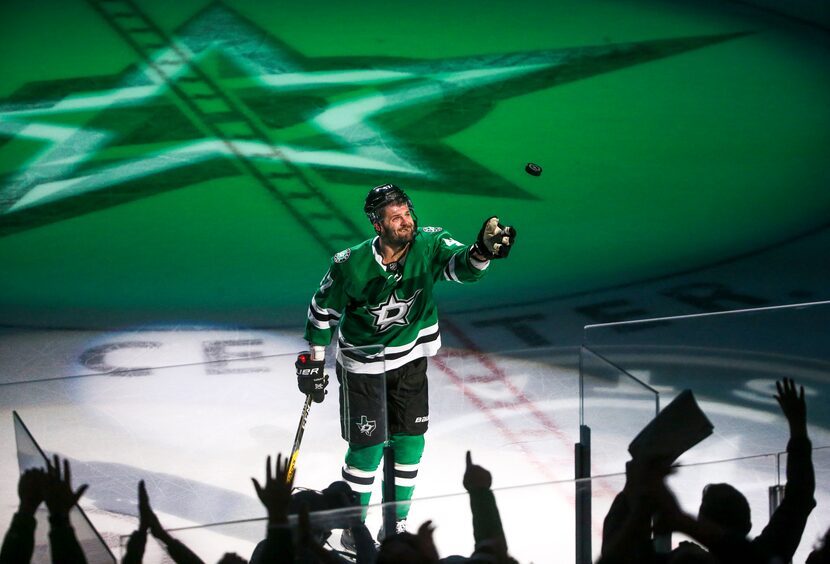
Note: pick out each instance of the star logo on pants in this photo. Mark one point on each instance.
(366, 427)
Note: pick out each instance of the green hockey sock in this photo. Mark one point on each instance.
(408, 451)
(359, 471)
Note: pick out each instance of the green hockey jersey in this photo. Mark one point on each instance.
(391, 305)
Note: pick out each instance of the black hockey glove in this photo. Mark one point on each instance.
(494, 240)
(310, 377)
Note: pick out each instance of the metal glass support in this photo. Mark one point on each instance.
(582, 505)
(389, 508)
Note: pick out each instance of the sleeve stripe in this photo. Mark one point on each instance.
(449, 270)
(323, 314)
(321, 317)
(320, 324)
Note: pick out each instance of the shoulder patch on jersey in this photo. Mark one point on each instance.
(343, 256)
(450, 242)
(432, 229)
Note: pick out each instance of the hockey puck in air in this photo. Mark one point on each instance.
(533, 169)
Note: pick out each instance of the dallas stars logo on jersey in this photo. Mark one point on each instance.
(392, 312)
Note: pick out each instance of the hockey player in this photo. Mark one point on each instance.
(380, 292)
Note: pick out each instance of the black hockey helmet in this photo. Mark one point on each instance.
(381, 196)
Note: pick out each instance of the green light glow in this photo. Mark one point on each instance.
(242, 139)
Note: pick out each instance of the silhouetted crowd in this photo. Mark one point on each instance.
(641, 517)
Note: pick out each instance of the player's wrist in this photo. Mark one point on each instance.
(318, 352)
(477, 254)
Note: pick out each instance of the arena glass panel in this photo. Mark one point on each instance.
(30, 455)
(731, 360)
(615, 406)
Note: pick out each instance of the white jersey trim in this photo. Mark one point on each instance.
(429, 348)
(324, 311)
(449, 270)
(403, 348)
(317, 323)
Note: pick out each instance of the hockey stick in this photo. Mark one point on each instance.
(295, 450)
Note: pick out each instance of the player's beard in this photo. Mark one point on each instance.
(399, 237)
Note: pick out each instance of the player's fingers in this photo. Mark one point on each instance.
(257, 487)
(469, 459)
(268, 468)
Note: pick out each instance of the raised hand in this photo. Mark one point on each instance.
(476, 477)
(30, 490)
(57, 491)
(275, 495)
(426, 543)
(147, 519)
(494, 239)
(793, 405)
